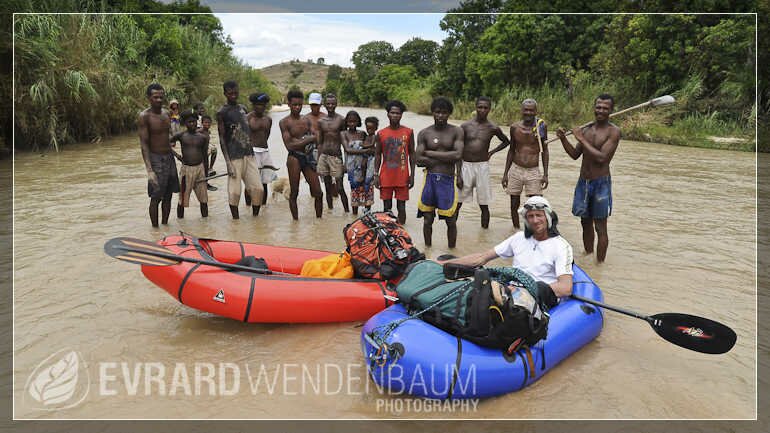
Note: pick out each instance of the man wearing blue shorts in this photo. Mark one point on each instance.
(440, 149)
(597, 143)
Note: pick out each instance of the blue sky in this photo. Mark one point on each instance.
(266, 39)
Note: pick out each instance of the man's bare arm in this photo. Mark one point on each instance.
(290, 142)
(144, 142)
(475, 260)
(412, 162)
(605, 154)
(544, 155)
(420, 157)
(573, 151)
(504, 142)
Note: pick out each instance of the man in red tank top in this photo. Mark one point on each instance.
(393, 161)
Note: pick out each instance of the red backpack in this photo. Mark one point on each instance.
(379, 246)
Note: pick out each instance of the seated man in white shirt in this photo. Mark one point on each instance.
(539, 250)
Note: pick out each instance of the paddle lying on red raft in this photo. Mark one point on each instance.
(214, 276)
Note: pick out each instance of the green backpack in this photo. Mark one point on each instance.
(465, 307)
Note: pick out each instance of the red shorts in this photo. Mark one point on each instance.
(401, 192)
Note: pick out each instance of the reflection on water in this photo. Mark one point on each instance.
(682, 239)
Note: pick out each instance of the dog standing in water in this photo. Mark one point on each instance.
(281, 186)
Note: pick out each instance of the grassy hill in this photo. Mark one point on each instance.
(308, 76)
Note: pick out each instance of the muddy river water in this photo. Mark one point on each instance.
(682, 239)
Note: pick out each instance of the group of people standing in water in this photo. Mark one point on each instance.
(455, 159)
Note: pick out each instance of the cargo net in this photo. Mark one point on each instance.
(378, 337)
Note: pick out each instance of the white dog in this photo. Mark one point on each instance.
(281, 186)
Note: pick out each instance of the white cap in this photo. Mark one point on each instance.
(314, 98)
(536, 202)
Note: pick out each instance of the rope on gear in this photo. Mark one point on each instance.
(379, 335)
(505, 274)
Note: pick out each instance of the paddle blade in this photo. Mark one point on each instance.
(138, 252)
(663, 100)
(693, 332)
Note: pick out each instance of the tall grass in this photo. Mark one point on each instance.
(83, 77)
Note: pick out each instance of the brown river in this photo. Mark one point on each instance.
(682, 239)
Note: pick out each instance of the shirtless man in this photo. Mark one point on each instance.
(297, 134)
(194, 160)
(521, 165)
(475, 173)
(162, 180)
(259, 126)
(237, 151)
(593, 193)
(330, 164)
(440, 149)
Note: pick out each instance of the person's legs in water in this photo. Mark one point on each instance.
(588, 234)
(340, 188)
(264, 196)
(427, 227)
(166, 208)
(293, 168)
(154, 202)
(451, 230)
(515, 201)
(180, 206)
(484, 215)
(315, 190)
(329, 191)
(603, 241)
(401, 207)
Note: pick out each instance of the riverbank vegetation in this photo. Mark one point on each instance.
(83, 77)
(564, 61)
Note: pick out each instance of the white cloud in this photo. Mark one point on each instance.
(265, 39)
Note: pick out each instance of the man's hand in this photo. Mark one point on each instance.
(459, 182)
(544, 181)
(411, 181)
(230, 169)
(578, 133)
(376, 181)
(153, 178)
(560, 133)
(505, 180)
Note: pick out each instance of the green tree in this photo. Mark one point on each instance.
(652, 50)
(388, 81)
(464, 32)
(420, 53)
(369, 58)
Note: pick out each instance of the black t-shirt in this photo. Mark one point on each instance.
(236, 130)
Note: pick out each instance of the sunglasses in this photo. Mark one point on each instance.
(535, 206)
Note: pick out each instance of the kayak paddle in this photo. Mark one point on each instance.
(691, 332)
(151, 254)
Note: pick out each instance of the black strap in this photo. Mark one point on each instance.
(420, 292)
(184, 281)
(251, 298)
(456, 373)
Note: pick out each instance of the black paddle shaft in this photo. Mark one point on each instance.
(117, 246)
(649, 319)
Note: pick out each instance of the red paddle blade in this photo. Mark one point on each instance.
(693, 332)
